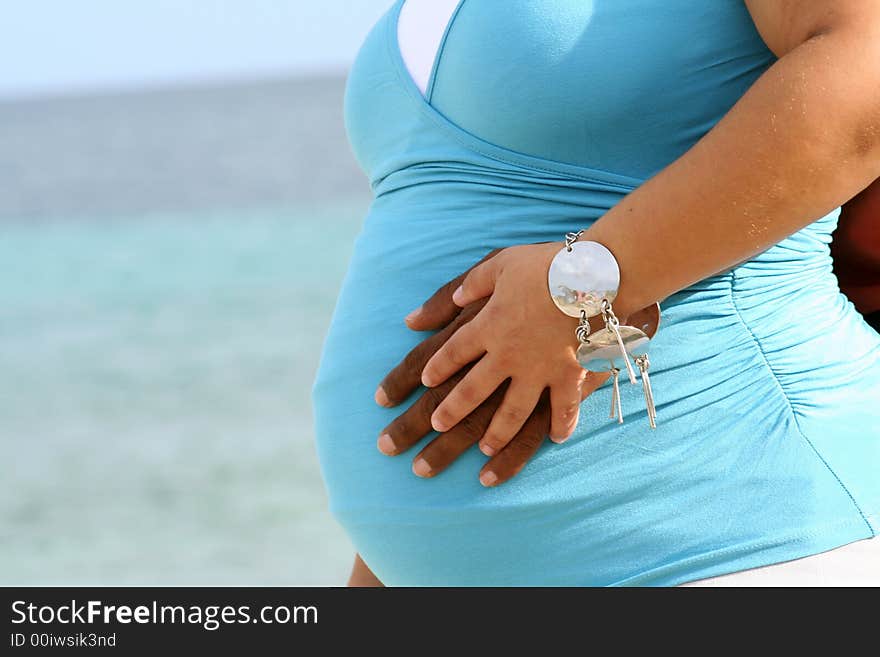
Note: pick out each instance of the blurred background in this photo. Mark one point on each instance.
(177, 207)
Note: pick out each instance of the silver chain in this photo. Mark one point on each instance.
(571, 238)
(608, 315)
(583, 330)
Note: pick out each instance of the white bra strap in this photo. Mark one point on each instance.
(420, 29)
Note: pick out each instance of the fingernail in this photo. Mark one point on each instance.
(415, 313)
(488, 478)
(457, 295)
(426, 381)
(386, 445)
(559, 439)
(381, 397)
(438, 425)
(488, 450)
(421, 468)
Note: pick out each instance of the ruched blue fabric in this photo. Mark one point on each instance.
(542, 115)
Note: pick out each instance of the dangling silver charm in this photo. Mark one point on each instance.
(604, 345)
(649, 320)
(643, 364)
(583, 279)
(616, 405)
(612, 324)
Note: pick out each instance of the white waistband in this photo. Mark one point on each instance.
(854, 564)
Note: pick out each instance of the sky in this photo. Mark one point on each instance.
(61, 46)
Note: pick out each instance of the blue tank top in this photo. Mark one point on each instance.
(540, 116)
(535, 77)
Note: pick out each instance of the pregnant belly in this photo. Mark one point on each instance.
(728, 464)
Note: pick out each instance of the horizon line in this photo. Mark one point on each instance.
(159, 85)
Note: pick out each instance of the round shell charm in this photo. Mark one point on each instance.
(581, 278)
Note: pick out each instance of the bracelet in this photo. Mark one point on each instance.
(583, 279)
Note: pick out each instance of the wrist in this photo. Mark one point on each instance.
(584, 281)
(628, 299)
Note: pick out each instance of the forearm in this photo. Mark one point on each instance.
(804, 139)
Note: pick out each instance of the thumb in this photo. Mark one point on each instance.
(478, 284)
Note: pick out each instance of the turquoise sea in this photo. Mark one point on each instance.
(170, 261)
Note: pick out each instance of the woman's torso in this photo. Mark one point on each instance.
(766, 379)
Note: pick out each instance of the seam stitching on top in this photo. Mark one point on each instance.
(785, 396)
(424, 108)
(432, 78)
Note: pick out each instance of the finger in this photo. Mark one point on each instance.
(464, 347)
(565, 404)
(439, 310)
(507, 463)
(414, 423)
(441, 452)
(479, 283)
(519, 403)
(476, 386)
(592, 382)
(400, 382)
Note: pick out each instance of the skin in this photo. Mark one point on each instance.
(440, 312)
(361, 575)
(778, 160)
(856, 250)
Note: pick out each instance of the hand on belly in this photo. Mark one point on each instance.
(511, 455)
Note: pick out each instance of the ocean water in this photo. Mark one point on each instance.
(170, 262)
